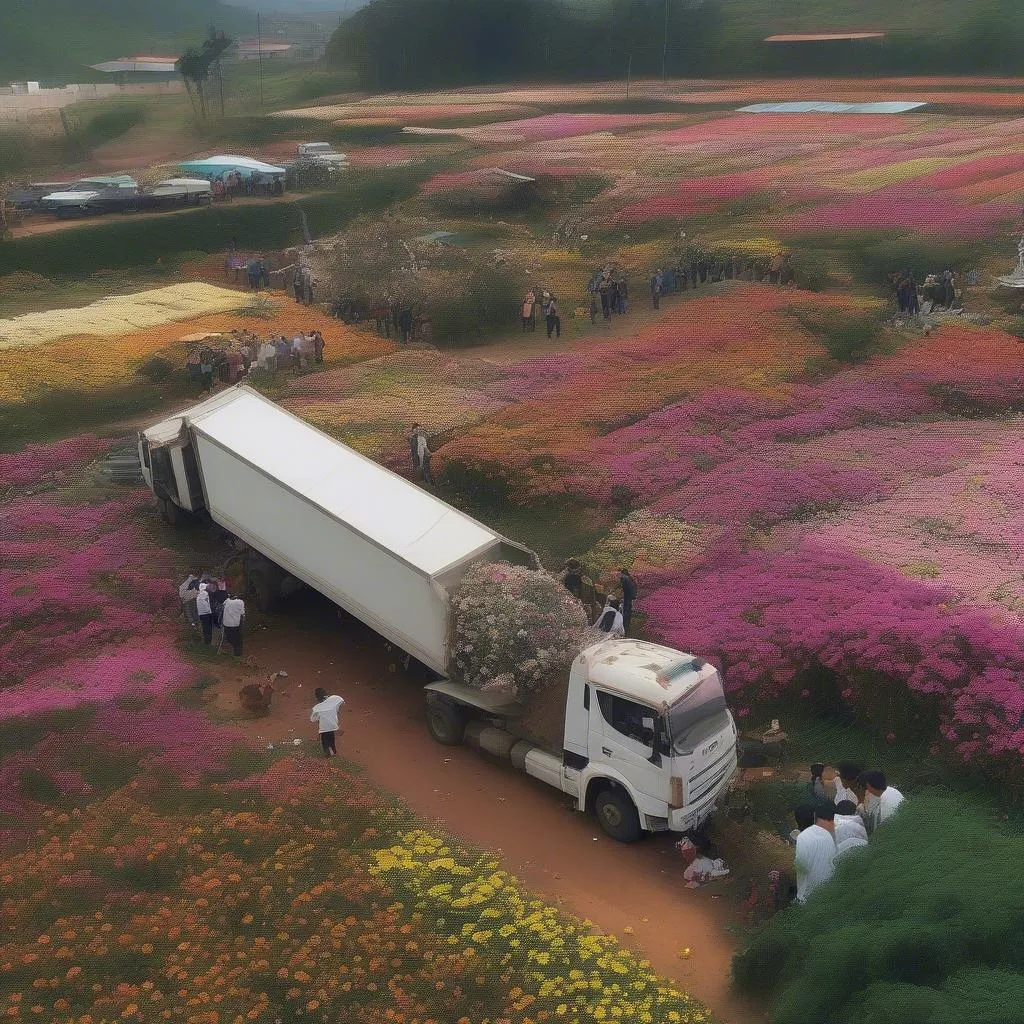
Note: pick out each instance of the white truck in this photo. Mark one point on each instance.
(322, 154)
(643, 736)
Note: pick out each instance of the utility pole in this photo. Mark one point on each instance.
(629, 69)
(664, 45)
(259, 53)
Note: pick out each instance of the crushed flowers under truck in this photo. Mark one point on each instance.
(643, 736)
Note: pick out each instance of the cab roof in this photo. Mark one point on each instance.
(655, 675)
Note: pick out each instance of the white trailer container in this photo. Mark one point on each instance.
(377, 545)
(640, 734)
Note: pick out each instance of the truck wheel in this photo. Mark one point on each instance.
(617, 816)
(170, 512)
(447, 723)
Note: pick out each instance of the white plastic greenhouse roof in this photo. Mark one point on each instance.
(822, 107)
(386, 509)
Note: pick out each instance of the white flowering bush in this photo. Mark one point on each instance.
(514, 629)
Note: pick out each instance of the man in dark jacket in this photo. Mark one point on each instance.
(628, 585)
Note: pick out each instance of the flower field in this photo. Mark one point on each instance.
(291, 893)
(822, 499)
(82, 361)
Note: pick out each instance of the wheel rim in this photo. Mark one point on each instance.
(611, 815)
(438, 723)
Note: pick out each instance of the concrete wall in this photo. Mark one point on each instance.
(24, 106)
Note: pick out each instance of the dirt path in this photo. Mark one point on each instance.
(555, 851)
(44, 224)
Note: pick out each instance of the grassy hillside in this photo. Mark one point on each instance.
(52, 40)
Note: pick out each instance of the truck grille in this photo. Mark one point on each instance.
(709, 777)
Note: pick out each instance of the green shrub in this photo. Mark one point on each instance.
(921, 928)
(847, 337)
(111, 123)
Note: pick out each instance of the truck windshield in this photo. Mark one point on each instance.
(701, 713)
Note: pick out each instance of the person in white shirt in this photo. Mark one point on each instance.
(232, 618)
(423, 454)
(268, 357)
(881, 801)
(848, 823)
(610, 620)
(846, 778)
(204, 611)
(325, 714)
(187, 593)
(815, 853)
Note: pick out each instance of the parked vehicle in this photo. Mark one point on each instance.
(177, 192)
(321, 153)
(116, 194)
(643, 737)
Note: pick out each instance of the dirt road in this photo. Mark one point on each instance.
(557, 852)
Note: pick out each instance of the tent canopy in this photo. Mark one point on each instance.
(214, 166)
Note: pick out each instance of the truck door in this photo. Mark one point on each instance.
(626, 744)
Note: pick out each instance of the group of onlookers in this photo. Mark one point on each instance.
(939, 291)
(548, 307)
(208, 363)
(397, 319)
(847, 806)
(617, 614)
(208, 604)
(609, 293)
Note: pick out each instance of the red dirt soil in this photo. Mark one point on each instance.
(488, 804)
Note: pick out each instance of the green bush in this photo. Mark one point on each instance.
(111, 123)
(921, 928)
(127, 242)
(847, 337)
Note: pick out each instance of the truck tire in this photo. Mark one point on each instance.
(446, 722)
(169, 512)
(617, 816)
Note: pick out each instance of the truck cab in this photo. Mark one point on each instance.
(649, 744)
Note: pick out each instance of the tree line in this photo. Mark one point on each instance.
(417, 44)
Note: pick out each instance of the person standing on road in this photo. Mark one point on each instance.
(423, 456)
(656, 286)
(187, 592)
(414, 446)
(205, 611)
(232, 619)
(325, 714)
(628, 585)
(551, 317)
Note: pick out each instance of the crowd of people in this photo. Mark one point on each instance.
(615, 616)
(939, 291)
(244, 352)
(548, 308)
(399, 320)
(232, 184)
(208, 604)
(846, 806)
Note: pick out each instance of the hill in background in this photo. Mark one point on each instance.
(55, 40)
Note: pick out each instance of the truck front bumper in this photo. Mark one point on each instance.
(692, 816)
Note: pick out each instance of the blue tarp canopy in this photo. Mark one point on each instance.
(215, 166)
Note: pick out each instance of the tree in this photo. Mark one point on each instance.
(195, 65)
